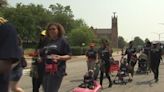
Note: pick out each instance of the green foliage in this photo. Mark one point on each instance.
(99, 40)
(121, 42)
(77, 50)
(30, 19)
(78, 23)
(60, 9)
(80, 35)
(63, 15)
(30, 45)
(138, 41)
(147, 40)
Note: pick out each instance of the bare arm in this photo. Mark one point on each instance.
(57, 58)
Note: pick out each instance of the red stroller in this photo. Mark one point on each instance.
(122, 72)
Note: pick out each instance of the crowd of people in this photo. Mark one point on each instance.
(49, 61)
(151, 53)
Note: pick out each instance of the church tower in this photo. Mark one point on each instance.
(114, 35)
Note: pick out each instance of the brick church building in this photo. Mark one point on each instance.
(107, 33)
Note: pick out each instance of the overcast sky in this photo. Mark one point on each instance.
(135, 17)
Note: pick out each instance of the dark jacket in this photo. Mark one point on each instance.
(155, 55)
(9, 48)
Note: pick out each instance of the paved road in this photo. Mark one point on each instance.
(76, 70)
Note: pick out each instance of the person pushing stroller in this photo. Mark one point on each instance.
(131, 59)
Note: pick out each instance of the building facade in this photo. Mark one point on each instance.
(110, 34)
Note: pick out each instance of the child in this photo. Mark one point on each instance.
(143, 62)
(88, 80)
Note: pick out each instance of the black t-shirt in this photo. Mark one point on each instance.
(155, 54)
(42, 42)
(91, 53)
(130, 52)
(9, 48)
(104, 54)
(58, 47)
(147, 50)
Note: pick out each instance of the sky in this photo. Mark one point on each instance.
(141, 18)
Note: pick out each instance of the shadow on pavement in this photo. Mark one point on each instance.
(149, 82)
(78, 80)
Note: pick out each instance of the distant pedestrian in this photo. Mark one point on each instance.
(147, 49)
(155, 56)
(91, 55)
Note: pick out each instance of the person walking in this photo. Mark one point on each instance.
(91, 55)
(155, 56)
(16, 72)
(9, 52)
(37, 70)
(54, 54)
(131, 59)
(104, 55)
(147, 49)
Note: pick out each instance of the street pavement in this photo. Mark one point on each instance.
(77, 68)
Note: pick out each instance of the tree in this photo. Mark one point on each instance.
(138, 41)
(28, 19)
(63, 15)
(80, 35)
(121, 42)
(147, 40)
(79, 23)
